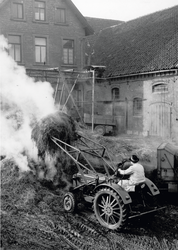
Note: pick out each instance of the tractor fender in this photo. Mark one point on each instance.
(118, 189)
(152, 187)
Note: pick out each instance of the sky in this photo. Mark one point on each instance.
(123, 10)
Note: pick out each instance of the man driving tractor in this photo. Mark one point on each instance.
(136, 174)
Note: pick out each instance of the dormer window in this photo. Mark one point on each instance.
(160, 88)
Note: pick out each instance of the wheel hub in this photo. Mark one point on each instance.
(67, 202)
(108, 210)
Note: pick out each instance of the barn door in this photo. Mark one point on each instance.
(160, 119)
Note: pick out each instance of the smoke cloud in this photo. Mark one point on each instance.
(23, 101)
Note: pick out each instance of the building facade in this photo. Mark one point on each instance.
(147, 105)
(44, 34)
(141, 59)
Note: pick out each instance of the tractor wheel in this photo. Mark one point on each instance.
(100, 129)
(69, 202)
(109, 209)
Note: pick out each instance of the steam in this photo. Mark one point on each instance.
(23, 101)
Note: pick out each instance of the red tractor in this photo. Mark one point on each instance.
(96, 183)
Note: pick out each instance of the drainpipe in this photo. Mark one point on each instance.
(126, 113)
(93, 98)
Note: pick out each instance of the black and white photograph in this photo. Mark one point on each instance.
(89, 124)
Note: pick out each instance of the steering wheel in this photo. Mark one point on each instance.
(119, 165)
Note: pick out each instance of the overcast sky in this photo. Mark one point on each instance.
(123, 10)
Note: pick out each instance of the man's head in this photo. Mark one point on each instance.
(134, 159)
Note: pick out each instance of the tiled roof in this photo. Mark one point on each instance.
(100, 23)
(148, 43)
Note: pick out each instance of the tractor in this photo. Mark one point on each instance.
(96, 184)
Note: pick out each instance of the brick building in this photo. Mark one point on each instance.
(141, 59)
(139, 88)
(44, 34)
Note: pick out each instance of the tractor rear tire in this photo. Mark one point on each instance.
(109, 209)
(69, 202)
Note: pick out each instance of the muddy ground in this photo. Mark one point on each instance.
(32, 215)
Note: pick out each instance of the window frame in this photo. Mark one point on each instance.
(137, 111)
(65, 16)
(115, 96)
(163, 90)
(68, 63)
(78, 98)
(46, 52)
(20, 47)
(45, 17)
(18, 3)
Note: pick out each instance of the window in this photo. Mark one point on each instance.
(137, 106)
(15, 47)
(60, 15)
(68, 51)
(40, 11)
(115, 93)
(40, 50)
(17, 10)
(160, 88)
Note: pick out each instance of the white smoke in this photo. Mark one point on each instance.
(22, 102)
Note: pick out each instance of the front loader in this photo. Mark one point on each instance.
(96, 183)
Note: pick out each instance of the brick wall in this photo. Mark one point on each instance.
(54, 33)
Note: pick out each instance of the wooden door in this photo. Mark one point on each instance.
(160, 119)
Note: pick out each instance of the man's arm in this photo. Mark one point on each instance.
(127, 171)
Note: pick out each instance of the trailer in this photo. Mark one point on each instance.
(103, 124)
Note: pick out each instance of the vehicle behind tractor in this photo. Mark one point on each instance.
(96, 184)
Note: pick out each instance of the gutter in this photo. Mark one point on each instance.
(152, 73)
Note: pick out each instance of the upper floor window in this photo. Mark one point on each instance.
(40, 49)
(15, 47)
(68, 51)
(137, 106)
(115, 94)
(60, 15)
(40, 11)
(17, 10)
(160, 88)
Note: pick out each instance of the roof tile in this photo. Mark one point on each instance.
(141, 45)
